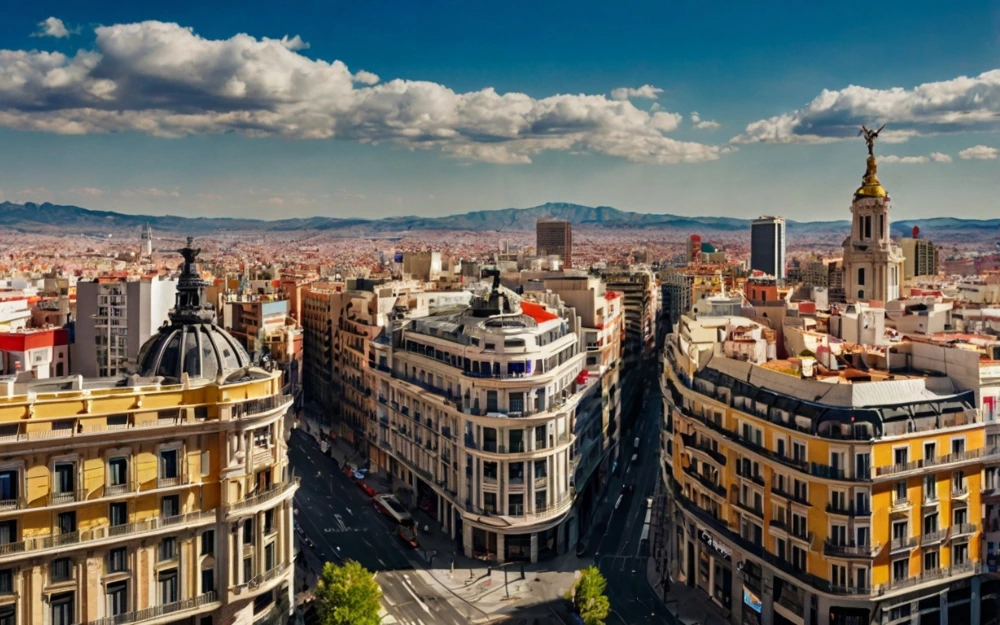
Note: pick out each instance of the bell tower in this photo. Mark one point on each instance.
(873, 265)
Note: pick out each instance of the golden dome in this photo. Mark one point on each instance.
(870, 186)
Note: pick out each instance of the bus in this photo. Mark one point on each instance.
(388, 505)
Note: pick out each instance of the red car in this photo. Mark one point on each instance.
(365, 487)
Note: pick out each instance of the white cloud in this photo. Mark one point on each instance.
(648, 92)
(958, 105)
(939, 157)
(164, 80)
(150, 192)
(208, 196)
(904, 160)
(54, 27)
(979, 152)
(85, 192)
(703, 124)
(274, 201)
(295, 43)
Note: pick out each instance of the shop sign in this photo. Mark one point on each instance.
(713, 542)
(752, 600)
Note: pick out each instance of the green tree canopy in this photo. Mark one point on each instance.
(348, 594)
(588, 596)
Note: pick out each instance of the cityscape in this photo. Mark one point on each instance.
(241, 390)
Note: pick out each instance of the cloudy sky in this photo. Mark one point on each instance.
(387, 108)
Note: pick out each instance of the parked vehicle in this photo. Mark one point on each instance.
(408, 535)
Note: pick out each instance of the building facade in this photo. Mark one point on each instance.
(114, 318)
(767, 246)
(555, 237)
(921, 257)
(476, 412)
(792, 499)
(161, 497)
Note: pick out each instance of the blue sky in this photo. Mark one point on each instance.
(388, 108)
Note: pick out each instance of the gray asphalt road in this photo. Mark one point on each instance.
(341, 520)
(621, 553)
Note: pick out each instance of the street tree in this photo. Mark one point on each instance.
(588, 597)
(348, 594)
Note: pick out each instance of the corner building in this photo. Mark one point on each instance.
(817, 497)
(476, 410)
(161, 497)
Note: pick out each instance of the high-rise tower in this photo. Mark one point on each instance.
(147, 241)
(873, 265)
(767, 246)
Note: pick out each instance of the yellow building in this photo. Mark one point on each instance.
(803, 495)
(162, 497)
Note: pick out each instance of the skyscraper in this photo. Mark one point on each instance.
(555, 237)
(767, 246)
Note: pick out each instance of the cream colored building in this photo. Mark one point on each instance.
(162, 497)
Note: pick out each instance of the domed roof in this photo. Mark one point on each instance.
(870, 185)
(202, 350)
(191, 342)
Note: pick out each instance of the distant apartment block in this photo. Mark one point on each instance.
(767, 246)
(555, 238)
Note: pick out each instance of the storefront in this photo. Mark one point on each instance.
(715, 575)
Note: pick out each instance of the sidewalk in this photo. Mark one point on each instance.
(687, 605)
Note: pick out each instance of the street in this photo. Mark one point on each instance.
(340, 519)
(621, 553)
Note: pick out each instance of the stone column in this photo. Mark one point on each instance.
(534, 548)
(467, 539)
(237, 558)
(944, 608)
(501, 551)
(975, 597)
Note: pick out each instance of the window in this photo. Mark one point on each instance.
(168, 549)
(269, 527)
(961, 516)
(930, 450)
(930, 560)
(8, 532)
(10, 487)
(930, 523)
(861, 578)
(208, 543)
(269, 557)
(66, 522)
(118, 560)
(957, 445)
(117, 594)
(206, 463)
(168, 464)
(64, 478)
(838, 535)
(63, 610)
(515, 504)
(900, 569)
(861, 276)
(540, 500)
(838, 575)
(118, 513)
(6, 581)
(8, 613)
(900, 455)
(930, 487)
(960, 554)
(118, 472)
(247, 569)
(170, 506)
(900, 491)
(490, 471)
(167, 586)
(207, 580)
(490, 502)
(61, 570)
(248, 531)
(900, 531)
(798, 558)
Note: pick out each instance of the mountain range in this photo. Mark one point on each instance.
(53, 219)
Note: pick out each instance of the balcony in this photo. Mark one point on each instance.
(899, 504)
(691, 442)
(261, 582)
(169, 482)
(754, 510)
(960, 530)
(706, 482)
(959, 492)
(850, 549)
(176, 609)
(273, 492)
(847, 510)
(779, 524)
(254, 407)
(937, 461)
(111, 533)
(16, 503)
(71, 496)
(791, 496)
(932, 538)
(900, 545)
(932, 575)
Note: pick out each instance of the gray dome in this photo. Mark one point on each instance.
(191, 342)
(201, 350)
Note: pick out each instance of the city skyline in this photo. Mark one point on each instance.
(358, 110)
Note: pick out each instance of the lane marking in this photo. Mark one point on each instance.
(406, 585)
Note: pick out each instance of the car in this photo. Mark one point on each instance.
(627, 489)
(299, 530)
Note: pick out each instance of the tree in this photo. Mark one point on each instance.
(348, 594)
(588, 597)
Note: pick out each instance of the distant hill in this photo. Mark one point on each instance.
(53, 218)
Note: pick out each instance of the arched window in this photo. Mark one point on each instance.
(861, 276)
(861, 293)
